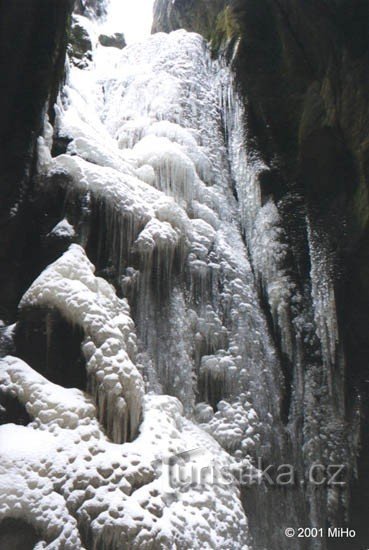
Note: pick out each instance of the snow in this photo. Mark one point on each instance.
(61, 469)
(147, 160)
(69, 286)
(63, 229)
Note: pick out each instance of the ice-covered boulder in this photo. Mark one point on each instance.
(70, 287)
(62, 477)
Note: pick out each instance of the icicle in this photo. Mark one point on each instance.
(323, 295)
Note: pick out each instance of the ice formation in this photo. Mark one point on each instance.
(145, 159)
(109, 346)
(153, 156)
(62, 475)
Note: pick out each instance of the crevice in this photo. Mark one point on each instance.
(12, 410)
(17, 534)
(52, 346)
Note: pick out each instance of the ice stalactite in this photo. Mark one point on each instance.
(268, 247)
(245, 165)
(260, 221)
(162, 164)
(323, 293)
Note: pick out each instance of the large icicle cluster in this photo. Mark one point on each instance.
(146, 158)
(260, 221)
(267, 244)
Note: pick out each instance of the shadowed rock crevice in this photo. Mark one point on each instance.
(45, 340)
(33, 39)
(12, 411)
(17, 534)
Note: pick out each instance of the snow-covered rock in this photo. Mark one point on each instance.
(61, 475)
(69, 286)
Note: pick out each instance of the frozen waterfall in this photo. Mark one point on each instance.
(176, 279)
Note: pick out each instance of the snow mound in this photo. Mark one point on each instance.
(69, 286)
(61, 475)
(63, 230)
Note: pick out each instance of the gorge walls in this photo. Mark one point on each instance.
(184, 260)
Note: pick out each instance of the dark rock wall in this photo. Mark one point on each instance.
(17, 534)
(33, 38)
(45, 340)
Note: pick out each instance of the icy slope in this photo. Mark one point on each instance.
(62, 475)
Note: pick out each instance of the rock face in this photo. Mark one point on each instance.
(115, 40)
(80, 43)
(38, 54)
(91, 8)
(17, 534)
(302, 68)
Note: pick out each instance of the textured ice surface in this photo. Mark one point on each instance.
(69, 286)
(146, 157)
(155, 161)
(153, 154)
(63, 476)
